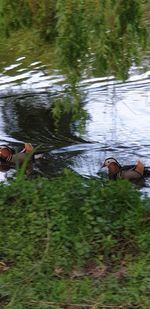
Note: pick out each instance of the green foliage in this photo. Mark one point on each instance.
(24, 14)
(50, 227)
(69, 109)
(72, 32)
(101, 37)
(107, 34)
(14, 15)
(44, 18)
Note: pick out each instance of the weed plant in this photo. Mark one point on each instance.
(73, 240)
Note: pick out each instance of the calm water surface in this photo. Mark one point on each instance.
(118, 122)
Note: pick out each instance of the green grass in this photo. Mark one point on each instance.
(73, 240)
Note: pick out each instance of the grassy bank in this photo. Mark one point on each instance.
(73, 241)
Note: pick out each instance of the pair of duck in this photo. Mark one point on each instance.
(116, 171)
(133, 173)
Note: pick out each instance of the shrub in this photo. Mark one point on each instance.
(69, 219)
(51, 227)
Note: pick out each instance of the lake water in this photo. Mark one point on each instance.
(117, 123)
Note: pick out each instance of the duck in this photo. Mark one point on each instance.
(26, 152)
(129, 172)
(9, 156)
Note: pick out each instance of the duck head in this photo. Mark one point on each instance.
(109, 161)
(112, 165)
(6, 153)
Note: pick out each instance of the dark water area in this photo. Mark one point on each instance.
(117, 121)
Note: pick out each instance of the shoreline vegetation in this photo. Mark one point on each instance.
(72, 242)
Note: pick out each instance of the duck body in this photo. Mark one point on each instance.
(19, 158)
(116, 171)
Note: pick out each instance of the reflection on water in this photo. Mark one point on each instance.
(118, 124)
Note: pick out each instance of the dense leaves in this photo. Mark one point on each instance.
(103, 37)
(80, 216)
(50, 227)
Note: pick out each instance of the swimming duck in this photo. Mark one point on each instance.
(23, 154)
(7, 154)
(133, 173)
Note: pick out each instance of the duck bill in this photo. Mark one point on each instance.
(103, 165)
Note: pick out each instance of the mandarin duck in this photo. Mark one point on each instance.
(7, 154)
(23, 154)
(116, 171)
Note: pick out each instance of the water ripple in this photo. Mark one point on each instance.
(118, 124)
